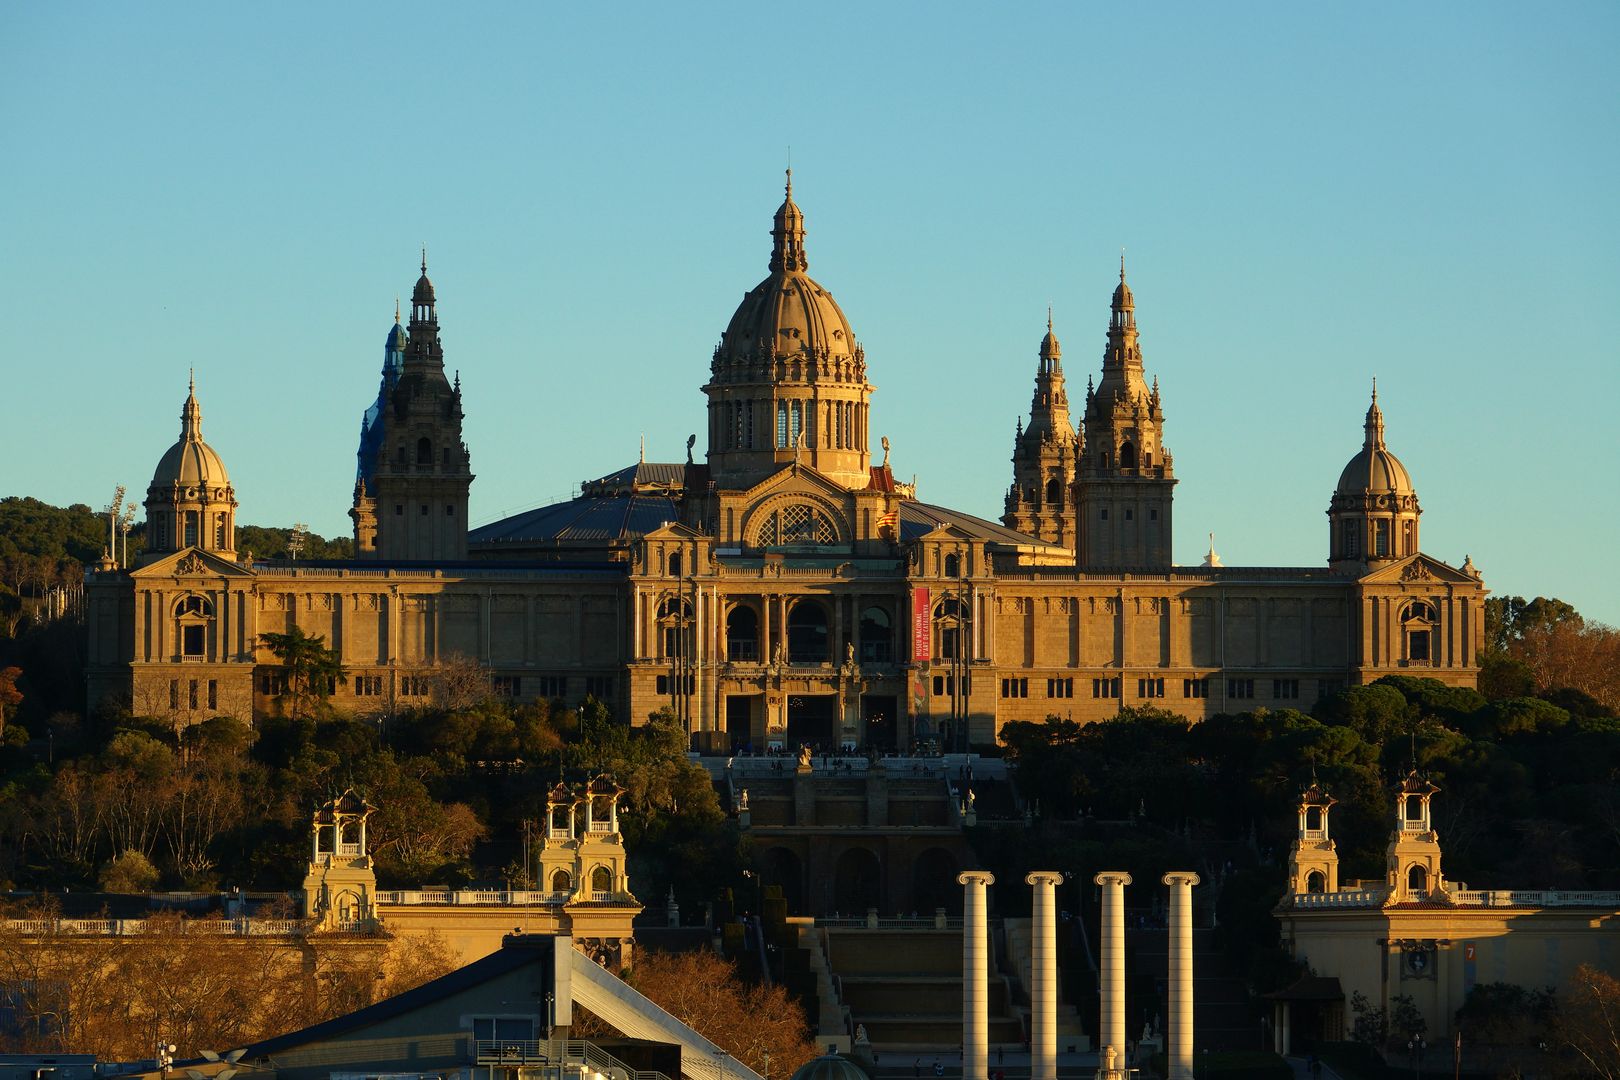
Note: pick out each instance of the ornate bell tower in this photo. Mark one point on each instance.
(1412, 860)
(1313, 861)
(421, 470)
(1126, 479)
(1041, 501)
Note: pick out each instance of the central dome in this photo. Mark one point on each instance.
(788, 382)
(788, 316)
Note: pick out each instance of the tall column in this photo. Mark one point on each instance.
(1111, 971)
(1179, 1052)
(975, 975)
(1043, 993)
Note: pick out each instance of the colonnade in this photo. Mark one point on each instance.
(1043, 983)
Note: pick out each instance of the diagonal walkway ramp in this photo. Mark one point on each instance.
(624, 1007)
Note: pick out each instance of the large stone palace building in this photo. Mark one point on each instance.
(785, 588)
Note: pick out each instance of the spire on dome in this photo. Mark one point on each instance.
(787, 234)
(191, 412)
(422, 295)
(1124, 304)
(1051, 351)
(1375, 422)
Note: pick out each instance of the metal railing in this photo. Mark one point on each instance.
(558, 1053)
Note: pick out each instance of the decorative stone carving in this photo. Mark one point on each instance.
(1416, 572)
(191, 564)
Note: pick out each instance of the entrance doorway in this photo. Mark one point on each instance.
(740, 710)
(880, 716)
(812, 720)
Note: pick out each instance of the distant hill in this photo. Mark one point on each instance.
(41, 544)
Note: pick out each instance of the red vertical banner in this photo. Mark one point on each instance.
(921, 625)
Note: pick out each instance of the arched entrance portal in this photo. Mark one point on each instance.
(933, 882)
(812, 719)
(780, 866)
(857, 882)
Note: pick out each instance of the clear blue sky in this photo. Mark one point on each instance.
(1310, 196)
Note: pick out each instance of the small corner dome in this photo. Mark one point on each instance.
(396, 339)
(1375, 470)
(191, 463)
(830, 1066)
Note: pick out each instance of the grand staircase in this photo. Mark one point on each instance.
(904, 986)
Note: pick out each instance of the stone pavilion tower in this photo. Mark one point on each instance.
(1041, 501)
(788, 380)
(1412, 860)
(1126, 479)
(419, 469)
(1313, 861)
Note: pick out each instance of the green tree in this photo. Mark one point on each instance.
(312, 671)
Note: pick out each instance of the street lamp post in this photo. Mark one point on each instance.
(1415, 1047)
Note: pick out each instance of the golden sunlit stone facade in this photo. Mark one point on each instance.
(787, 588)
(1414, 933)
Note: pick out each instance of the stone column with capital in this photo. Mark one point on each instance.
(1179, 1050)
(1111, 972)
(975, 975)
(1043, 993)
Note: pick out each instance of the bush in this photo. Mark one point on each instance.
(131, 872)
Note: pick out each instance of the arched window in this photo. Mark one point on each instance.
(950, 628)
(1380, 539)
(1315, 882)
(1414, 808)
(1313, 818)
(675, 620)
(675, 565)
(1054, 492)
(561, 881)
(1418, 626)
(1127, 456)
(424, 451)
(601, 880)
(807, 633)
(742, 635)
(795, 525)
(194, 617)
(953, 566)
(1417, 878)
(399, 454)
(877, 636)
(781, 425)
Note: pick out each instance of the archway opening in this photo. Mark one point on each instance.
(561, 881)
(857, 882)
(1315, 882)
(742, 635)
(877, 636)
(601, 880)
(1417, 878)
(807, 633)
(1127, 455)
(933, 883)
(781, 867)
